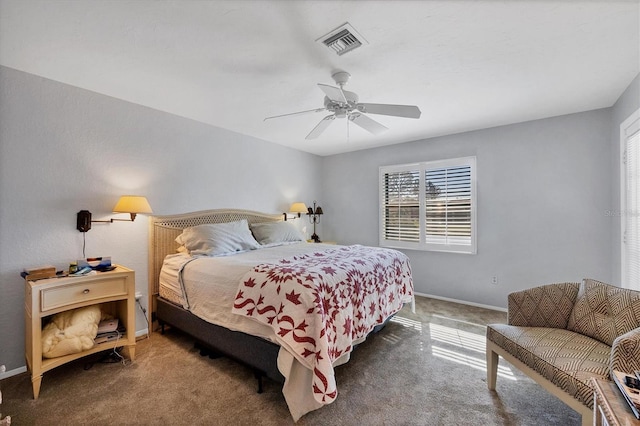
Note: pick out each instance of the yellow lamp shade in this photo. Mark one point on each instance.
(298, 208)
(132, 204)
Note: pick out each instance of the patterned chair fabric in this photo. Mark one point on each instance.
(570, 332)
(604, 312)
(545, 306)
(625, 352)
(565, 358)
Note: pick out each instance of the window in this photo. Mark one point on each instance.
(630, 200)
(429, 206)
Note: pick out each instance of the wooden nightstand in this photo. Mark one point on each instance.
(114, 291)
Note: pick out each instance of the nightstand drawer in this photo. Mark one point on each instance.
(70, 294)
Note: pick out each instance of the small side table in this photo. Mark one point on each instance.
(114, 291)
(609, 406)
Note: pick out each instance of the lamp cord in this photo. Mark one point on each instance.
(144, 312)
(84, 244)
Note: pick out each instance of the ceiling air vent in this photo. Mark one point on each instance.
(343, 39)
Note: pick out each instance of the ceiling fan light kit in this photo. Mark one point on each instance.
(344, 104)
(341, 77)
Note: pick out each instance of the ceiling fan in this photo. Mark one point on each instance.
(344, 104)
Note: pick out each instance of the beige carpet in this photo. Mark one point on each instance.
(426, 368)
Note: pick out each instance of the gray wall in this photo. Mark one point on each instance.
(627, 104)
(543, 188)
(64, 149)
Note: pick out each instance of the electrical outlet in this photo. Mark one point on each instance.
(138, 295)
(494, 280)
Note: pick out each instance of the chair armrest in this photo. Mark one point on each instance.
(544, 306)
(625, 352)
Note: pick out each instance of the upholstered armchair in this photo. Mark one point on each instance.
(561, 335)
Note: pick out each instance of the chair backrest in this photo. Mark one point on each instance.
(543, 306)
(604, 311)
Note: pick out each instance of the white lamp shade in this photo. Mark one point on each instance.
(298, 208)
(132, 204)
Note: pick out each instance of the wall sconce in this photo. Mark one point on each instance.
(131, 204)
(298, 208)
(314, 217)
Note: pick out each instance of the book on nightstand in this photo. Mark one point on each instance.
(39, 272)
(631, 395)
(109, 330)
(107, 326)
(107, 337)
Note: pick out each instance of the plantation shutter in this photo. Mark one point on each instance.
(448, 205)
(631, 214)
(401, 217)
(429, 205)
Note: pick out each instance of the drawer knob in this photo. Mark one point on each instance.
(85, 291)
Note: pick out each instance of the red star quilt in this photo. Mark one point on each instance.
(319, 303)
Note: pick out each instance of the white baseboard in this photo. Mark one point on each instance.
(144, 332)
(13, 372)
(463, 302)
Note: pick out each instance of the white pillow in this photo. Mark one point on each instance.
(276, 232)
(218, 239)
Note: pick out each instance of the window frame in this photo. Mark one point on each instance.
(422, 167)
(628, 129)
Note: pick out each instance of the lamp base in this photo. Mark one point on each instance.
(315, 238)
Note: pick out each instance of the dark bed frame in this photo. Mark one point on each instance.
(259, 354)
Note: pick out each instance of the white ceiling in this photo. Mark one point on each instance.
(466, 64)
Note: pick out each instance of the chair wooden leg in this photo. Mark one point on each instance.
(492, 368)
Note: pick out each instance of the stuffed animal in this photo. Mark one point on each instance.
(70, 332)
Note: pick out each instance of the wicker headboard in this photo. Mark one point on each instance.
(163, 231)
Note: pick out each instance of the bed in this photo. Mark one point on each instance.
(289, 309)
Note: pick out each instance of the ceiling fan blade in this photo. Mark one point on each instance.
(366, 123)
(407, 111)
(333, 93)
(294, 113)
(321, 126)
